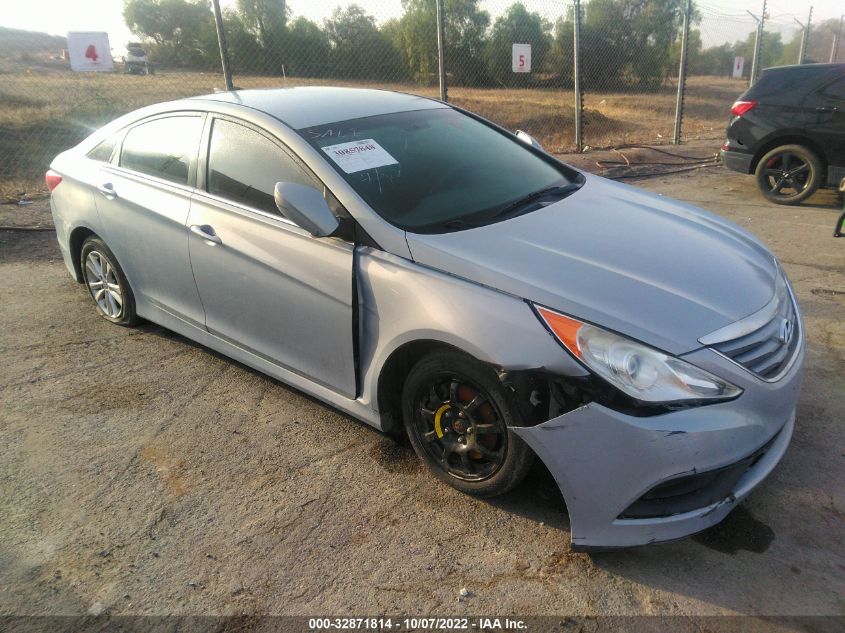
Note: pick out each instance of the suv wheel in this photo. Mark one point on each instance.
(789, 174)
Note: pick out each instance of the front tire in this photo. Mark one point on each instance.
(789, 174)
(457, 413)
(106, 283)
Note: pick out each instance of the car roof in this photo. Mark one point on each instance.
(307, 106)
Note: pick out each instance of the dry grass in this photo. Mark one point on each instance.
(42, 112)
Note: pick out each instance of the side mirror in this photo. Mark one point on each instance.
(525, 137)
(306, 207)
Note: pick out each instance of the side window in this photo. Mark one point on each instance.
(163, 147)
(835, 90)
(244, 166)
(102, 152)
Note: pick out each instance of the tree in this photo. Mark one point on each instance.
(625, 43)
(358, 49)
(771, 50)
(306, 49)
(182, 32)
(266, 19)
(464, 26)
(517, 26)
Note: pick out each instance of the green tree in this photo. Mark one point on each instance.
(464, 26)
(624, 43)
(771, 50)
(182, 32)
(518, 26)
(306, 49)
(358, 50)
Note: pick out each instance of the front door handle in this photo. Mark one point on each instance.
(107, 189)
(207, 233)
(827, 109)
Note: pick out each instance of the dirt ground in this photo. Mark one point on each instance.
(142, 474)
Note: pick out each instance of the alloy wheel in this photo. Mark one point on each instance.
(103, 284)
(787, 175)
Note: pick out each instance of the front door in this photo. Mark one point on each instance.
(267, 285)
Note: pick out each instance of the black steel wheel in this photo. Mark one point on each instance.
(789, 174)
(457, 416)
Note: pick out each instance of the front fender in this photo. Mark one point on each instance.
(401, 302)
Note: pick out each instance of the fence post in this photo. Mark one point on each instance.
(805, 35)
(682, 76)
(441, 44)
(576, 78)
(758, 41)
(224, 50)
(834, 49)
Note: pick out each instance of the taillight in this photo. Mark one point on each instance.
(52, 179)
(741, 107)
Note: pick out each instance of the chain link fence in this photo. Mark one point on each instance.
(515, 63)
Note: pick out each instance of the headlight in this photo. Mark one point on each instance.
(638, 370)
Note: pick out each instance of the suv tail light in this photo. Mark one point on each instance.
(741, 107)
(52, 179)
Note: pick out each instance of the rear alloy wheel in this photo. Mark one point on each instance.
(106, 283)
(457, 415)
(789, 174)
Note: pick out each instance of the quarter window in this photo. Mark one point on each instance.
(102, 153)
(835, 90)
(244, 166)
(165, 148)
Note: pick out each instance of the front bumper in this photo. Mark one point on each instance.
(606, 462)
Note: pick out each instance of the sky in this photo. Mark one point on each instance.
(723, 20)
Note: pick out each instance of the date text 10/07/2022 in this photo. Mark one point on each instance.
(415, 624)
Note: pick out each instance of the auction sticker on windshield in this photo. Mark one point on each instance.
(359, 155)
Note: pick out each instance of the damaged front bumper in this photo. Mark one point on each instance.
(631, 480)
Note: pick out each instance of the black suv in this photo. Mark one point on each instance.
(788, 129)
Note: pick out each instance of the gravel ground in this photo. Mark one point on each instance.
(142, 474)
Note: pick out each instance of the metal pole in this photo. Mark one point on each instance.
(221, 41)
(834, 49)
(441, 44)
(758, 41)
(682, 76)
(576, 76)
(805, 38)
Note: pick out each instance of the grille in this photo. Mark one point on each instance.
(764, 352)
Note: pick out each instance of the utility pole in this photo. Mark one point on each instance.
(682, 76)
(576, 78)
(758, 41)
(441, 57)
(221, 41)
(834, 48)
(805, 35)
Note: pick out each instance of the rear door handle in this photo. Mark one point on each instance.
(207, 233)
(107, 189)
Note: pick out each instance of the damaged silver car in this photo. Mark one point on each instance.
(430, 273)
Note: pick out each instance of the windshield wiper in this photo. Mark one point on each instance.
(558, 190)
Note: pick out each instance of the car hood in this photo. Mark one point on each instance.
(652, 268)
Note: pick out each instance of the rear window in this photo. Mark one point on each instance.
(787, 85)
(165, 147)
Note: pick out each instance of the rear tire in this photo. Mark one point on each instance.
(106, 283)
(789, 174)
(457, 413)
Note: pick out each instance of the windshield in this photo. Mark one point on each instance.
(438, 170)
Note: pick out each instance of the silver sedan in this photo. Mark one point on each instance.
(432, 274)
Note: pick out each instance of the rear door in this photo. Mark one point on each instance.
(143, 203)
(827, 122)
(267, 285)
